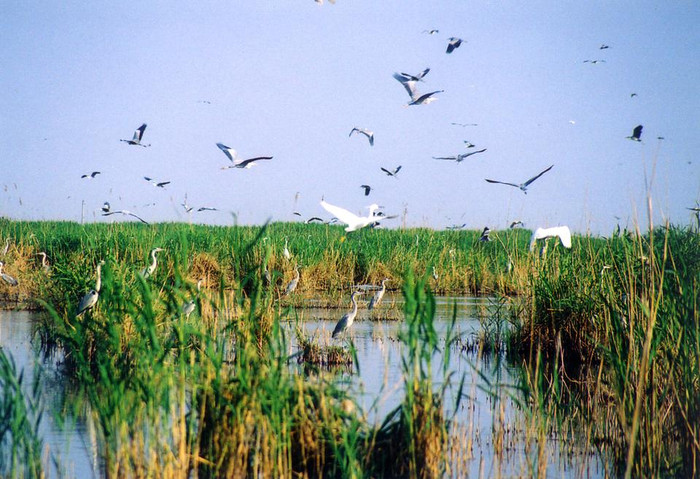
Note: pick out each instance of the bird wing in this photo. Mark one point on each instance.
(250, 161)
(422, 98)
(367, 189)
(386, 171)
(637, 133)
(409, 85)
(453, 158)
(465, 155)
(138, 134)
(503, 183)
(537, 176)
(397, 169)
(341, 213)
(162, 183)
(229, 152)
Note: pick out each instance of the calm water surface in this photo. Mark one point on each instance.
(378, 386)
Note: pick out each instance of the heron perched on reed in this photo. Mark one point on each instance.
(150, 269)
(346, 321)
(90, 299)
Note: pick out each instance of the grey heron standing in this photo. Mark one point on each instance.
(6, 277)
(90, 299)
(294, 282)
(150, 269)
(346, 321)
(189, 307)
(377, 298)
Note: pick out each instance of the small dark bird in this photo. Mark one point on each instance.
(515, 224)
(594, 61)
(138, 136)
(155, 183)
(523, 186)
(92, 175)
(369, 134)
(367, 189)
(632, 95)
(453, 43)
(485, 234)
(206, 208)
(392, 173)
(604, 46)
(431, 32)
(636, 133)
(468, 144)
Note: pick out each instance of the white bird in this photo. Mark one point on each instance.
(126, 213)
(392, 173)
(294, 282)
(7, 247)
(377, 298)
(453, 43)
(286, 252)
(232, 155)
(523, 186)
(346, 321)
(90, 299)
(416, 97)
(369, 134)
(460, 157)
(150, 269)
(562, 232)
(6, 277)
(189, 307)
(138, 136)
(353, 221)
(46, 268)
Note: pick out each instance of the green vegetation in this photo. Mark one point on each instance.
(608, 334)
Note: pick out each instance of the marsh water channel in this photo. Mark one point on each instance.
(492, 423)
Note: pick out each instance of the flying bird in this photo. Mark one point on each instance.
(457, 227)
(485, 234)
(416, 97)
(353, 221)
(232, 155)
(468, 144)
(636, 133)
(346, 321)
(459, 158)
(369, 134)
(138, 136)
(206, 208)
(126, 213)
(453, 43)
(515, 224)
(464, 124)
(367, 189)
(408, 77)
(155, 183)
(523, 186)
(562, 232)
(593, 62)
(91, 175)
(431, 32)
(604, 46)
(391, 173)
(106, 207)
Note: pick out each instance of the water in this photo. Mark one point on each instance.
(489, 383)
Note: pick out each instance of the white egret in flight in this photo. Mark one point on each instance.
(416, 97)
(369, 134)
(562, 232)
(523, 186)
(353, 221)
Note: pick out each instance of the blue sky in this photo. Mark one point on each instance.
(291, 78)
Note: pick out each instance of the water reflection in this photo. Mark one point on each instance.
(489, 422)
